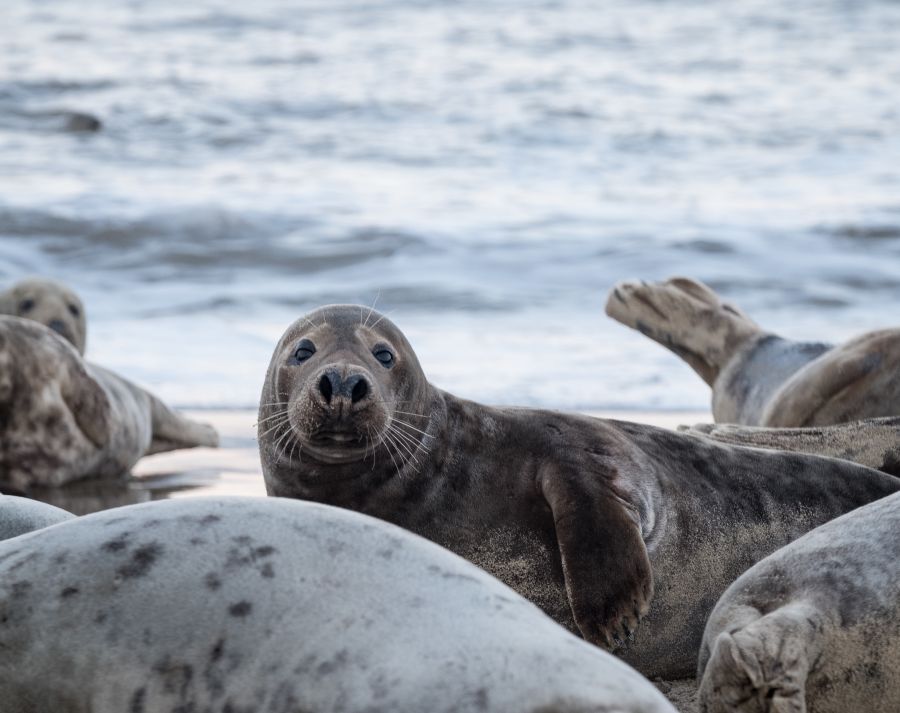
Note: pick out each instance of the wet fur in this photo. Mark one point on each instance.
(598, 522)
(64, 419)
(759, 378)
(813, 627)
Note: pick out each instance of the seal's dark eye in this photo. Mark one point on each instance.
(26, 305)
(304, 350)
(74, 311)
(385, 357)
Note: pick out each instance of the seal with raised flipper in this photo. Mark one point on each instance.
(815, 626)
(63, 418)
(599, 522)
(759, 378)
(267, 605)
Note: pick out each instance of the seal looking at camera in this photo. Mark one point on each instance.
(599, 522)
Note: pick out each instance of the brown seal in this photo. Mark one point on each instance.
(599, 522)
(63, 418)
(759, 378)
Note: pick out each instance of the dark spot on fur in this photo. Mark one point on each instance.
(20, 589)
(137, 701)
(141, 561)
(68, 592)
(264, 551)
(241, 609)
(267, 571)
(216, 652)
(212, 581)
(209, 519)
(332, 665)
(118, 544)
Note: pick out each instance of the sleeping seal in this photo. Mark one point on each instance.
(598, 522)
(52, 304)
(63, 419)
(759, 378)
(273, 606)
(813, 627)
(873, 442)
(21, 515)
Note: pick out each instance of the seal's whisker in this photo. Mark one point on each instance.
(283, 412)
(409, 425)
(372, 308)
(277, 425)
(387, 440)
(406, 448)
(410, 413)
(381, 318)
(415, 443)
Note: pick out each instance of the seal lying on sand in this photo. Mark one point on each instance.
(759, 378)
(52, 304)
(873, 442)
(251, 604)
(581, 515)
(814, 626)
(62, 419)
(21, 515)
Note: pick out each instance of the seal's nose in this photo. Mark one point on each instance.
(354, 387)
(58, 326)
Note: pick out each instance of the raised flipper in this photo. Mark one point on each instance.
(609, 582)
(686, 317)
(172, 431)
(852, 381)
(873, 442)
(762, 667)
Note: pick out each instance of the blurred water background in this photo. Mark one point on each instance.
(485, 169)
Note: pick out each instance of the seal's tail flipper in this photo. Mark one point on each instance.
(873, 442)
(762, 667)
(172, 431)
(686, 317)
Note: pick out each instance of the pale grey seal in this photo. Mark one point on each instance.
(63, 419)
(52, 304)
(21, 515)
(759, 378)
(813, 627)
(252, 605)
(583, 516)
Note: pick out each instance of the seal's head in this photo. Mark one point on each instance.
(340, 379)
(52, 304)
(685, 316)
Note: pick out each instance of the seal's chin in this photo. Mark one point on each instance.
(337, 446)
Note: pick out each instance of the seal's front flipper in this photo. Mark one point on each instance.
(172, 431)
(764, 665)
(88, 403)
(607, 571)
(872, 442)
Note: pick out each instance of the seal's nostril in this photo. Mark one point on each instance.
(57, 325)
(325, 387)
(360, 390)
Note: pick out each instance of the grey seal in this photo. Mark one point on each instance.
(599, 522)
(21, 515)
(63, 418)
(873, 442)
(759, 378)
(813, 627)
(277, 606)
(52, 304)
